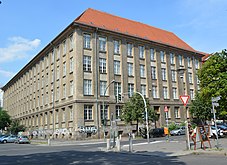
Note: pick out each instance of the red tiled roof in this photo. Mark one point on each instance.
(110, 22)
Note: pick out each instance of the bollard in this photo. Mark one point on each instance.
(118, 143)
(48, 142)
(108, 144)
(130, 142)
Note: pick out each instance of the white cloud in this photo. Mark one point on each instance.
(17, 48)
(6, 73)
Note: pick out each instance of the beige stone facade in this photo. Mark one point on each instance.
(61, 90)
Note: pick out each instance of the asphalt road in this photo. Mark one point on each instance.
(18, 154)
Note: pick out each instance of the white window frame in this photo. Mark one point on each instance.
(102, 44)
(130, 89)
(142, 71)
(116, 47)
(142, 52)
(87, 87)
(88, 112)
(162, 56)
(87, 63)
(164, 74)
(172, 61)
(102, 65)
(130, 69)
(129, 49)
(152, 54)
(87, 41)
(165, 92)
(117, 67)
(103, 85)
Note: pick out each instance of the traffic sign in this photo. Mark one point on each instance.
(166, 109)
(184, 99)
(214, 99)
(215, 104)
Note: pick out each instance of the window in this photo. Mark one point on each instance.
(142, 71)
(162, 55)
(87, 87)
(87, 112)
(70, 42)
(141, 51)
(56, 115)
(105, 114)
(168, 114)
(117, 88)
(176, 112)
(116, 67)
(118, 111)
(189, 61)
(180, 60)
(102, 44)
(154, 92)
(102, 65)
(87, 41)
(71, 113)
(57, 93)
(129, 49)
(172, 58)
(130, 69)
(71, 64)
(175, 93)
(102, 87)
(64, 90)
(87, 63)
(192, 94)
(116, 47)
(64, 47)
(197, 79)
(71, 88)
(164, 74)
(52, 75)
(165, 92)
(196, 64)
(173, 73)
(143, 90)
(130, 89)
(63, 115)
(190, 78)
(152, 55)
(153, 72)
(64, 69)
(58, 73)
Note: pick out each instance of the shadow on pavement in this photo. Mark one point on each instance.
(94, 158)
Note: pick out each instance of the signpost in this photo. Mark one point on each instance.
(184, 99)
(167, 116)
(215, 104)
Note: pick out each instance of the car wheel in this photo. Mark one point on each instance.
(4, 141)
(179, 133)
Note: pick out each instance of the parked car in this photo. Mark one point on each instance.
(214, 134)
(22, 139)
(179, 131)
(8, 139)
(223, 128)
(158, 132)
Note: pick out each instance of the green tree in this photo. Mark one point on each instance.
(4, 119)
(134, 110)
(213, 81)
(16, 127)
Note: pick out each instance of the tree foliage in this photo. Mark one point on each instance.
(16, 127)
(4, 119)
(213, 81)
(134, 110)
(200, 109)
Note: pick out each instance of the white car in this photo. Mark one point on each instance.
(214, 133)
(180, 131)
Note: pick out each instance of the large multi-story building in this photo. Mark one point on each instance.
(63, 89)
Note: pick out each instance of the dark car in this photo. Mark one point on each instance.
(158, 132)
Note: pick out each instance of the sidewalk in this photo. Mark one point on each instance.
(177, 148)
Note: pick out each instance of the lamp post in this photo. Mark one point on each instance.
(103, 108)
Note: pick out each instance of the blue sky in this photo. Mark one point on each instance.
(27, 26)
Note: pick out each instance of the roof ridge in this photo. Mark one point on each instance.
(126, 19)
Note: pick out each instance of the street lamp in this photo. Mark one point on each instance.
(103, 108)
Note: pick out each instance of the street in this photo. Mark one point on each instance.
(90, 153)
